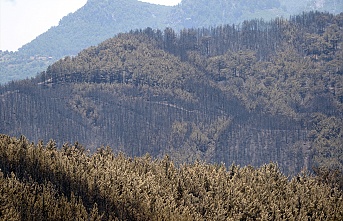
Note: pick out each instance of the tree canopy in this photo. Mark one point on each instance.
(43, 182)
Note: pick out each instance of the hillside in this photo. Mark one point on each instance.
(43, 182)
(261, 92)
(102, 19)
(94, 22)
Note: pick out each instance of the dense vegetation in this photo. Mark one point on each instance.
(102, 19)
(251, 94)
(42, 182)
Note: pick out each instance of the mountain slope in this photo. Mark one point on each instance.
(194, 14)
(95, 22)
(99, 20)
(210, 94)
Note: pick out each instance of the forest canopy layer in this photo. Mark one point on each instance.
(43, 182)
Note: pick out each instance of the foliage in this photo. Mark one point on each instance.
(42, 182)
(328, 138)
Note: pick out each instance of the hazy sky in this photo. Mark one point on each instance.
(21, 21)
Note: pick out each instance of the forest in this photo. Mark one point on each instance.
(99, 20)
(260, 92)
(45, 182)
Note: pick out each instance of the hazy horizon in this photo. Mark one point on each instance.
(22, 21)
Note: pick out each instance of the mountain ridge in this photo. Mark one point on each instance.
(97, 21)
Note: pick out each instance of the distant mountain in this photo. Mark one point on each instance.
(295, 6)
(261, 92)
(205, 13)
(96, 21)
(101, 19)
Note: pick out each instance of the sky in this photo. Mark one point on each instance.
(21, 21)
